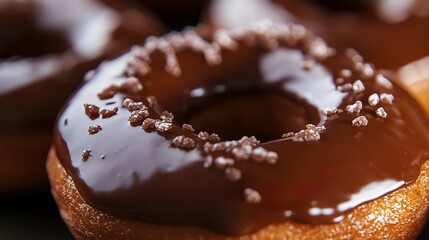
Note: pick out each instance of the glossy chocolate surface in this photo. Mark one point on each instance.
(388, 33)
(140, 174)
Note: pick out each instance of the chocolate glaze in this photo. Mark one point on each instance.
(139, 174)
(389, 34)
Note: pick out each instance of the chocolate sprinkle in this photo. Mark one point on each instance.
(94, 129)
(208, 161)
(358, 86)
(252, 196)
(131, 86)
(360, 121)
(107, 113)
(223, 162)
(381, 112)
(387, 98)
(310, 134)
(148, 124)
(203, 136)
(354, 108)
(137, 117)
(163, 127)
(108, 92)
(382, 81)
(373, 99)
(86, 154)
(183, 142)
(345, 73)
(214, 138)
(233, 174)
(130, 105)
(188, 127)
(92, 111)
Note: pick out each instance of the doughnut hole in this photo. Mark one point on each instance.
(22, 38)
(265, 115)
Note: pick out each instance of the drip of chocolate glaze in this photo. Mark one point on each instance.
(140, 174)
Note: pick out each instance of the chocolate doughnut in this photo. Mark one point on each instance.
(46, 47)
(388, 33)
(263, 132)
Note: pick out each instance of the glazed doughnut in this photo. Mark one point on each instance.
(263, 132)
(46, 47)
(389, 33)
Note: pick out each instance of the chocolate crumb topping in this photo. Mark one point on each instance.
(130, 105)
(252, 141)
(346, 73)
(387, 98)
(137, 117)
(329, 111)
(148, 124)
(152, 101)
(203, 136)
(259, 154)
(214, 138)
(183, 142)
(381, 112)
(86, 154)
(288, 135)
(345, 87)
(354, 108)
(108, 92)
(233, 174)
(167, 117)
(252, 196)
(271, 157)
(137, 67)
(367, 70)
(358, 86)
(163, 127)
(107, 113)
(243, 152)
(94, 129)
(310, 134)
(373, 99)
(360, 121)
(340, 81)
(208, 161)
(92, 111)
(382, 81)
(223, 162)
(131, 86)
(188, 127)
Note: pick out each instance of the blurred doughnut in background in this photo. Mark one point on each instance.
(388, 33)
(46, 47)
(415, 76)
(176, 14)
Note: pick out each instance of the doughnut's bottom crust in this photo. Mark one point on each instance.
(398, 215)
(22, 162)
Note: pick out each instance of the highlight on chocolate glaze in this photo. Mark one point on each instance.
(389, 33)
(258, 125)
